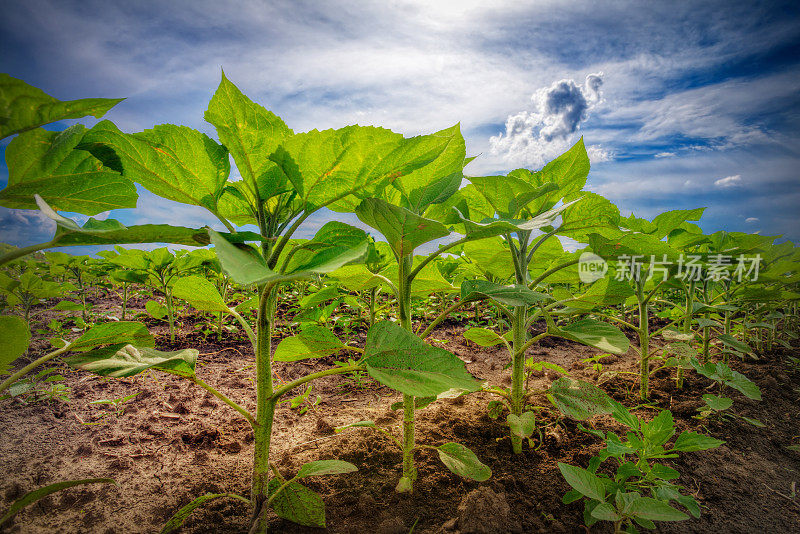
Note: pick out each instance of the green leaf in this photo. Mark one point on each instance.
(584, 481)
(250, 133)
(24, 107)
(200, 293)
(754, 422)
(41, 493)
(246, 266)
(605, 512)
(733, 343)
(578, 399)
(717, 403)
(595, 334)
(68, 305)
(335, 244)
(523, 425)
(483, 337)
(177, 520)
(440, 177)
(660, 429)
(173, 162)
(112, 232)
(399, 359)
(516, 295)
(114, 332)
(313, 342)
(463, 462)
(45, 163)
(357, 424)
(14, 339)
(664, 472)
(325, 467)
(298, 504)
(403, 230)
(621, 414)
(692, 441)
(126, 360)
(654, 510)
(156, 309)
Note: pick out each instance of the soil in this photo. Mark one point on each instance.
(173, 442)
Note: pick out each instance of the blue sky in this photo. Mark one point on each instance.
(681, 104)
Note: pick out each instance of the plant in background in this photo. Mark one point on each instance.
(45, 386)
(640, 490)
(118, 404)
(725, 377)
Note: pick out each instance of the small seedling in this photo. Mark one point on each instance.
(118, 404)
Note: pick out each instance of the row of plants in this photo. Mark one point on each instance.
(501, 253)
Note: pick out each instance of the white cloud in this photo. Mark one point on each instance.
(533, 137)
(752, 220)
(665, 155)
(729, 181)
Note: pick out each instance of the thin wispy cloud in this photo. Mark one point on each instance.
(729, 181)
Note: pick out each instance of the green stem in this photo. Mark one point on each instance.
(265, 404)
(644, 343)
(31, 366)
(406, 483)
(517, 371)
(442, 316)
(24, 251)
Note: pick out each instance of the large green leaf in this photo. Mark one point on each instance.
(510, 295)
(603, 292)
(654, 510)
(509, 195)
(45, 163)
(313, 342)
(335, 244)
(441, 175)
(596, 334)
(483, 336)
(403, 229)
(592, 214)
(200, 293)
(14, 339)
(463, 462)
(250, 133)
(523, 425)
(114, 332)
(24, 107)
(327, 165)
(246, 266)
(298, 504)
(692, 441)
(126, 360)
(399, 359)
(584, 481)
(41, 493)
(174, 162)
(325, 467)
(578, 399)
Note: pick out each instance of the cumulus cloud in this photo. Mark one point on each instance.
(729, 181)
(533, 137)
(24, 227)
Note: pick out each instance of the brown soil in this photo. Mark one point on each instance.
(174, 442)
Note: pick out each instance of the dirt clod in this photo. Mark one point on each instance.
(482, 511)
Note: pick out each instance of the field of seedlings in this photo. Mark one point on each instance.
(497, 354)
